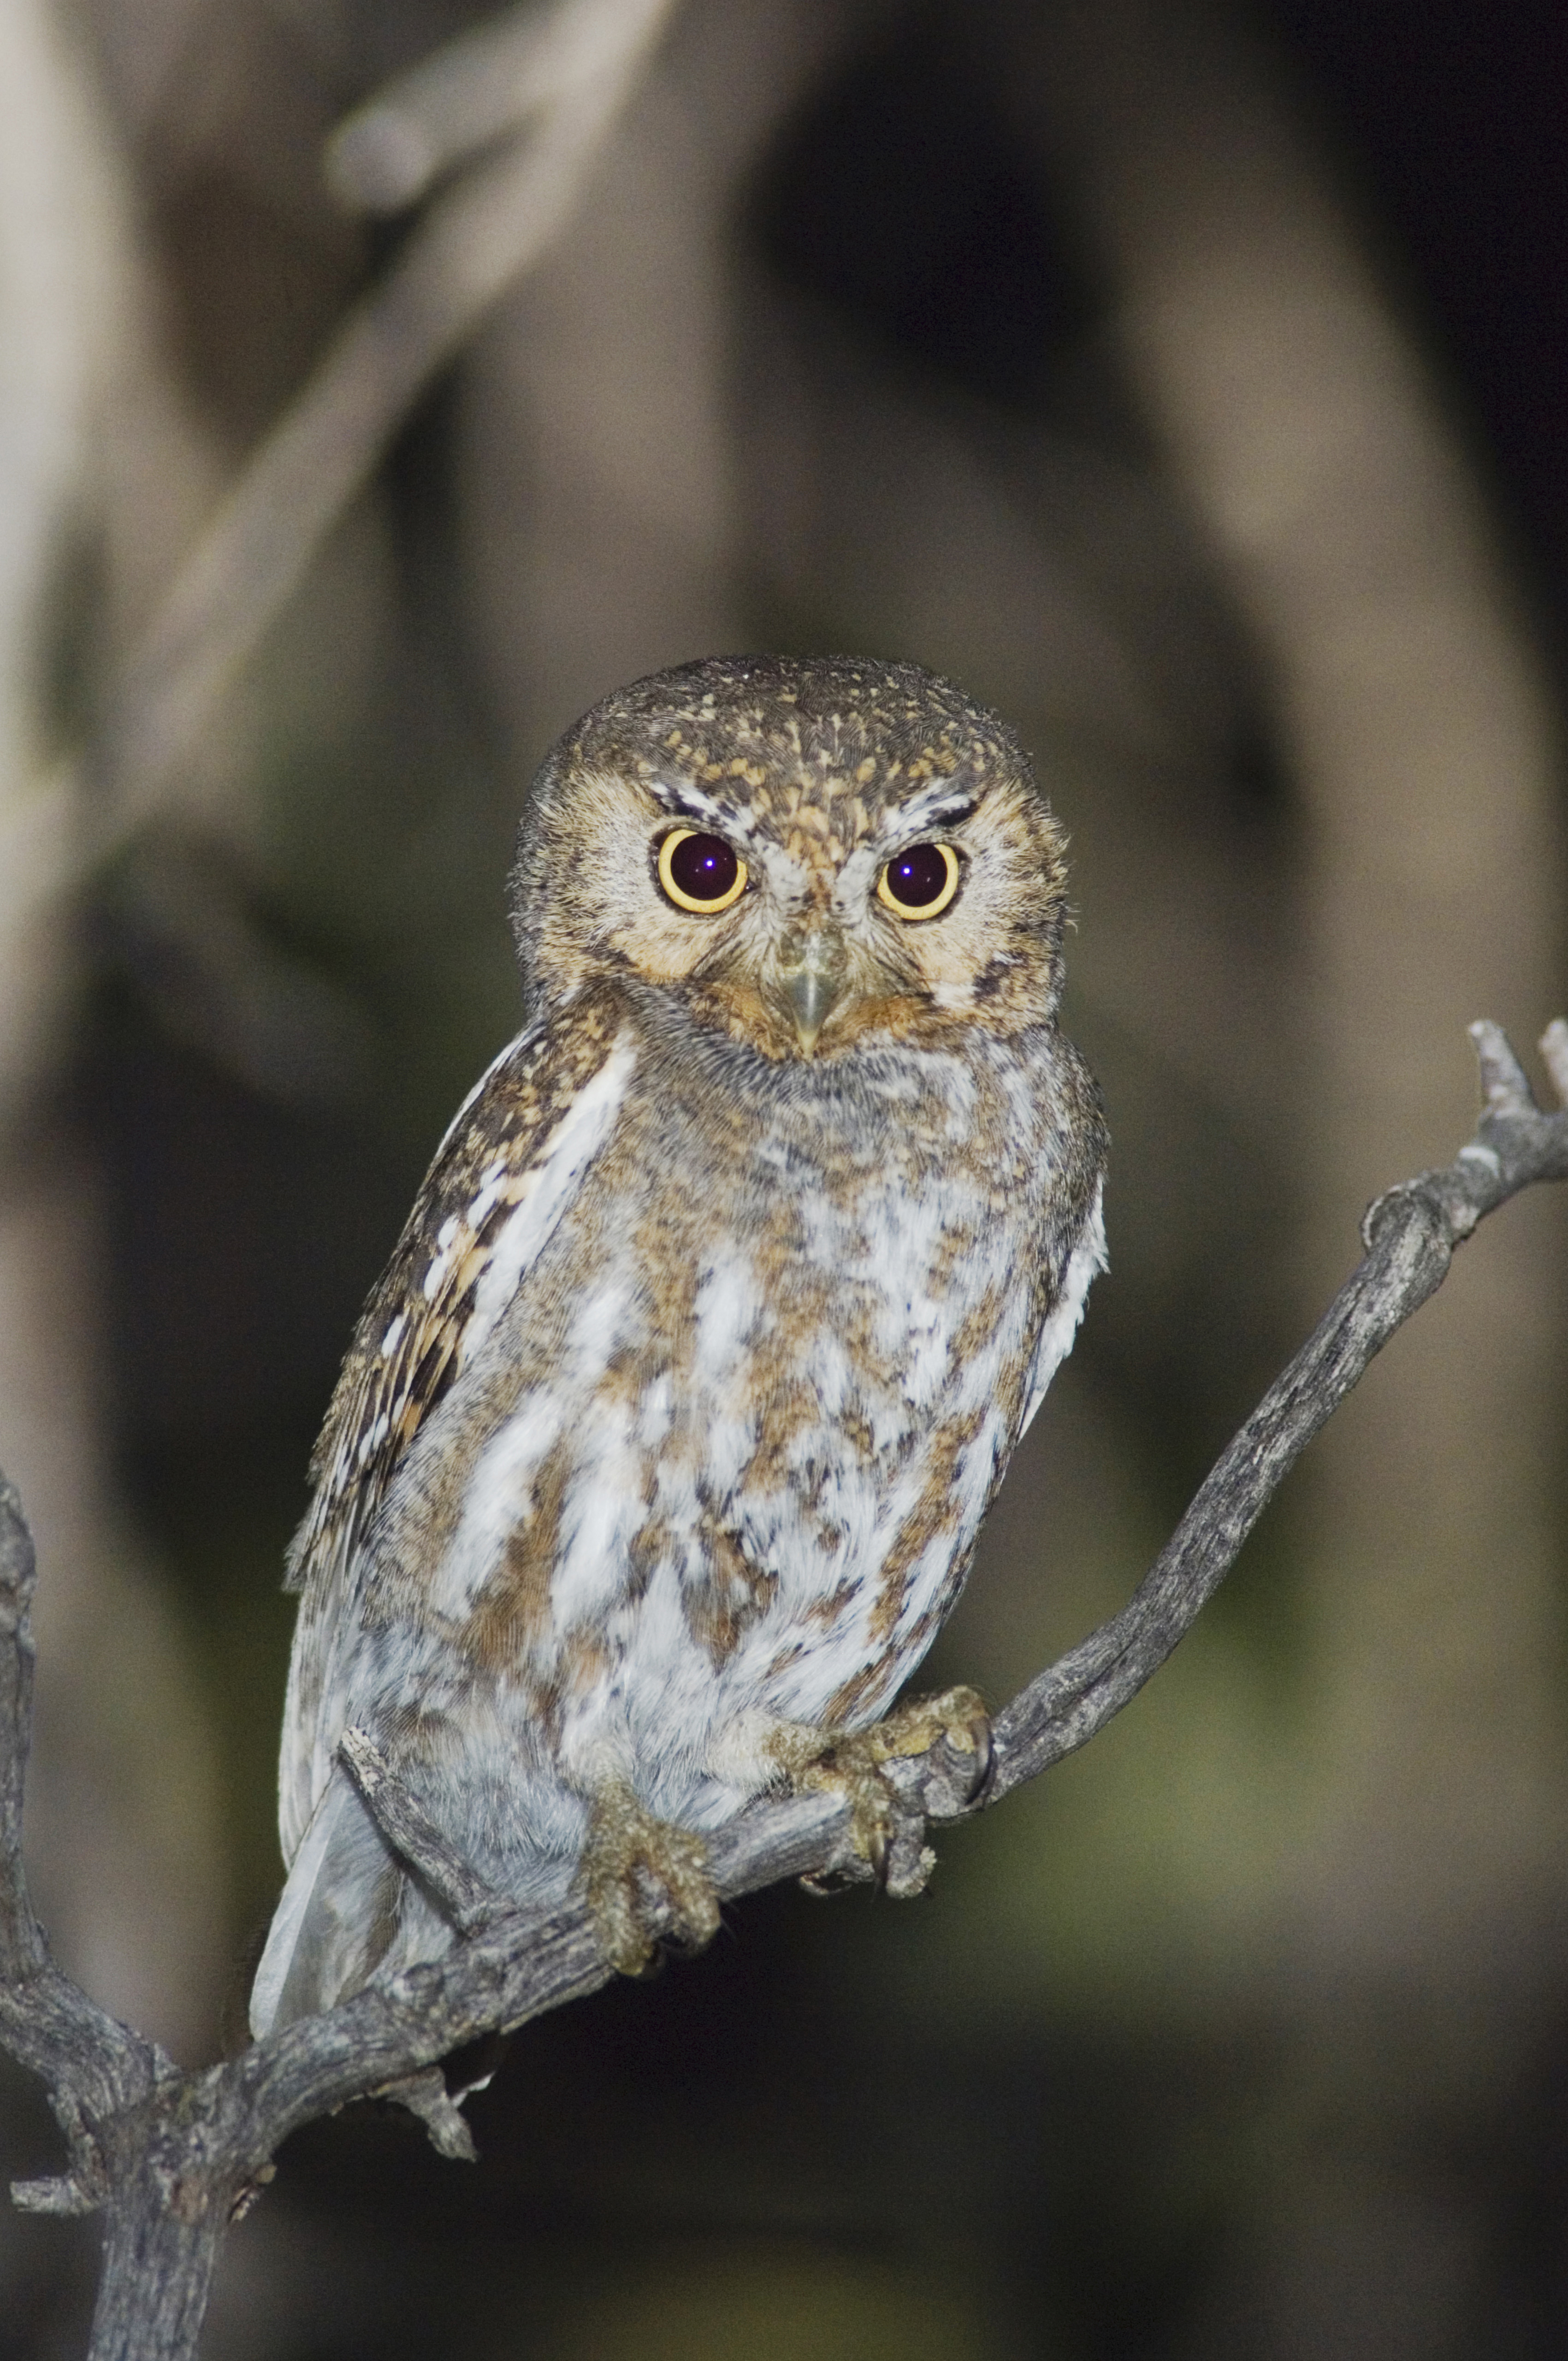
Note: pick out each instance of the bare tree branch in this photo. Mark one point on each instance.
(170, 2155)
(478, 90)
(461, 1896)
(95, 2067)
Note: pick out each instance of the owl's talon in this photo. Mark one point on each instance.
(886, 1828)
(956, 1718)
(827, 1884)
(634, 1867)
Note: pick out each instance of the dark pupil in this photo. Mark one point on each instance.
(704, 866)
(917, 876)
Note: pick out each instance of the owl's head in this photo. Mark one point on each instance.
(813, 853)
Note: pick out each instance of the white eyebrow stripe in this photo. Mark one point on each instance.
(684, 802)
(940, 802)
(898, 824)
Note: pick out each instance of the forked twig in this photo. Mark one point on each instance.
(170, 2155)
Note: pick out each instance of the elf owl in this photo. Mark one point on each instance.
(662, 1448)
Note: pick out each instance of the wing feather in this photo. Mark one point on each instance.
(430, 1307)
(510, 1163)
(1087, 1257)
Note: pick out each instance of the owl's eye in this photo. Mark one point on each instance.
(920, 883)
(700, 873)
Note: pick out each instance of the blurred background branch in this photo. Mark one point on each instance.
(558, 86)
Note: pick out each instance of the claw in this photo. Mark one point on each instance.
(985, 1756)
(826, 1884)
(877, 1853)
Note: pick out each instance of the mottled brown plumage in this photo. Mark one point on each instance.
(661, 1447)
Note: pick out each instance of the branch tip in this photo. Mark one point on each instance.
(1504, 1084)
(59, 2193)
(1554, 1050)
(379, 161)
(447, 2127)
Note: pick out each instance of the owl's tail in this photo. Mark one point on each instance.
(346, 1909)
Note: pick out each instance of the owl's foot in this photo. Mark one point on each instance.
(634, 1865)
(885, 1829)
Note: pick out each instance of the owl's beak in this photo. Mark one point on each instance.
(813, 980)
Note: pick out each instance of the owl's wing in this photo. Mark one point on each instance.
(509, 1165)
(502, 1177)
(1087, 1257)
